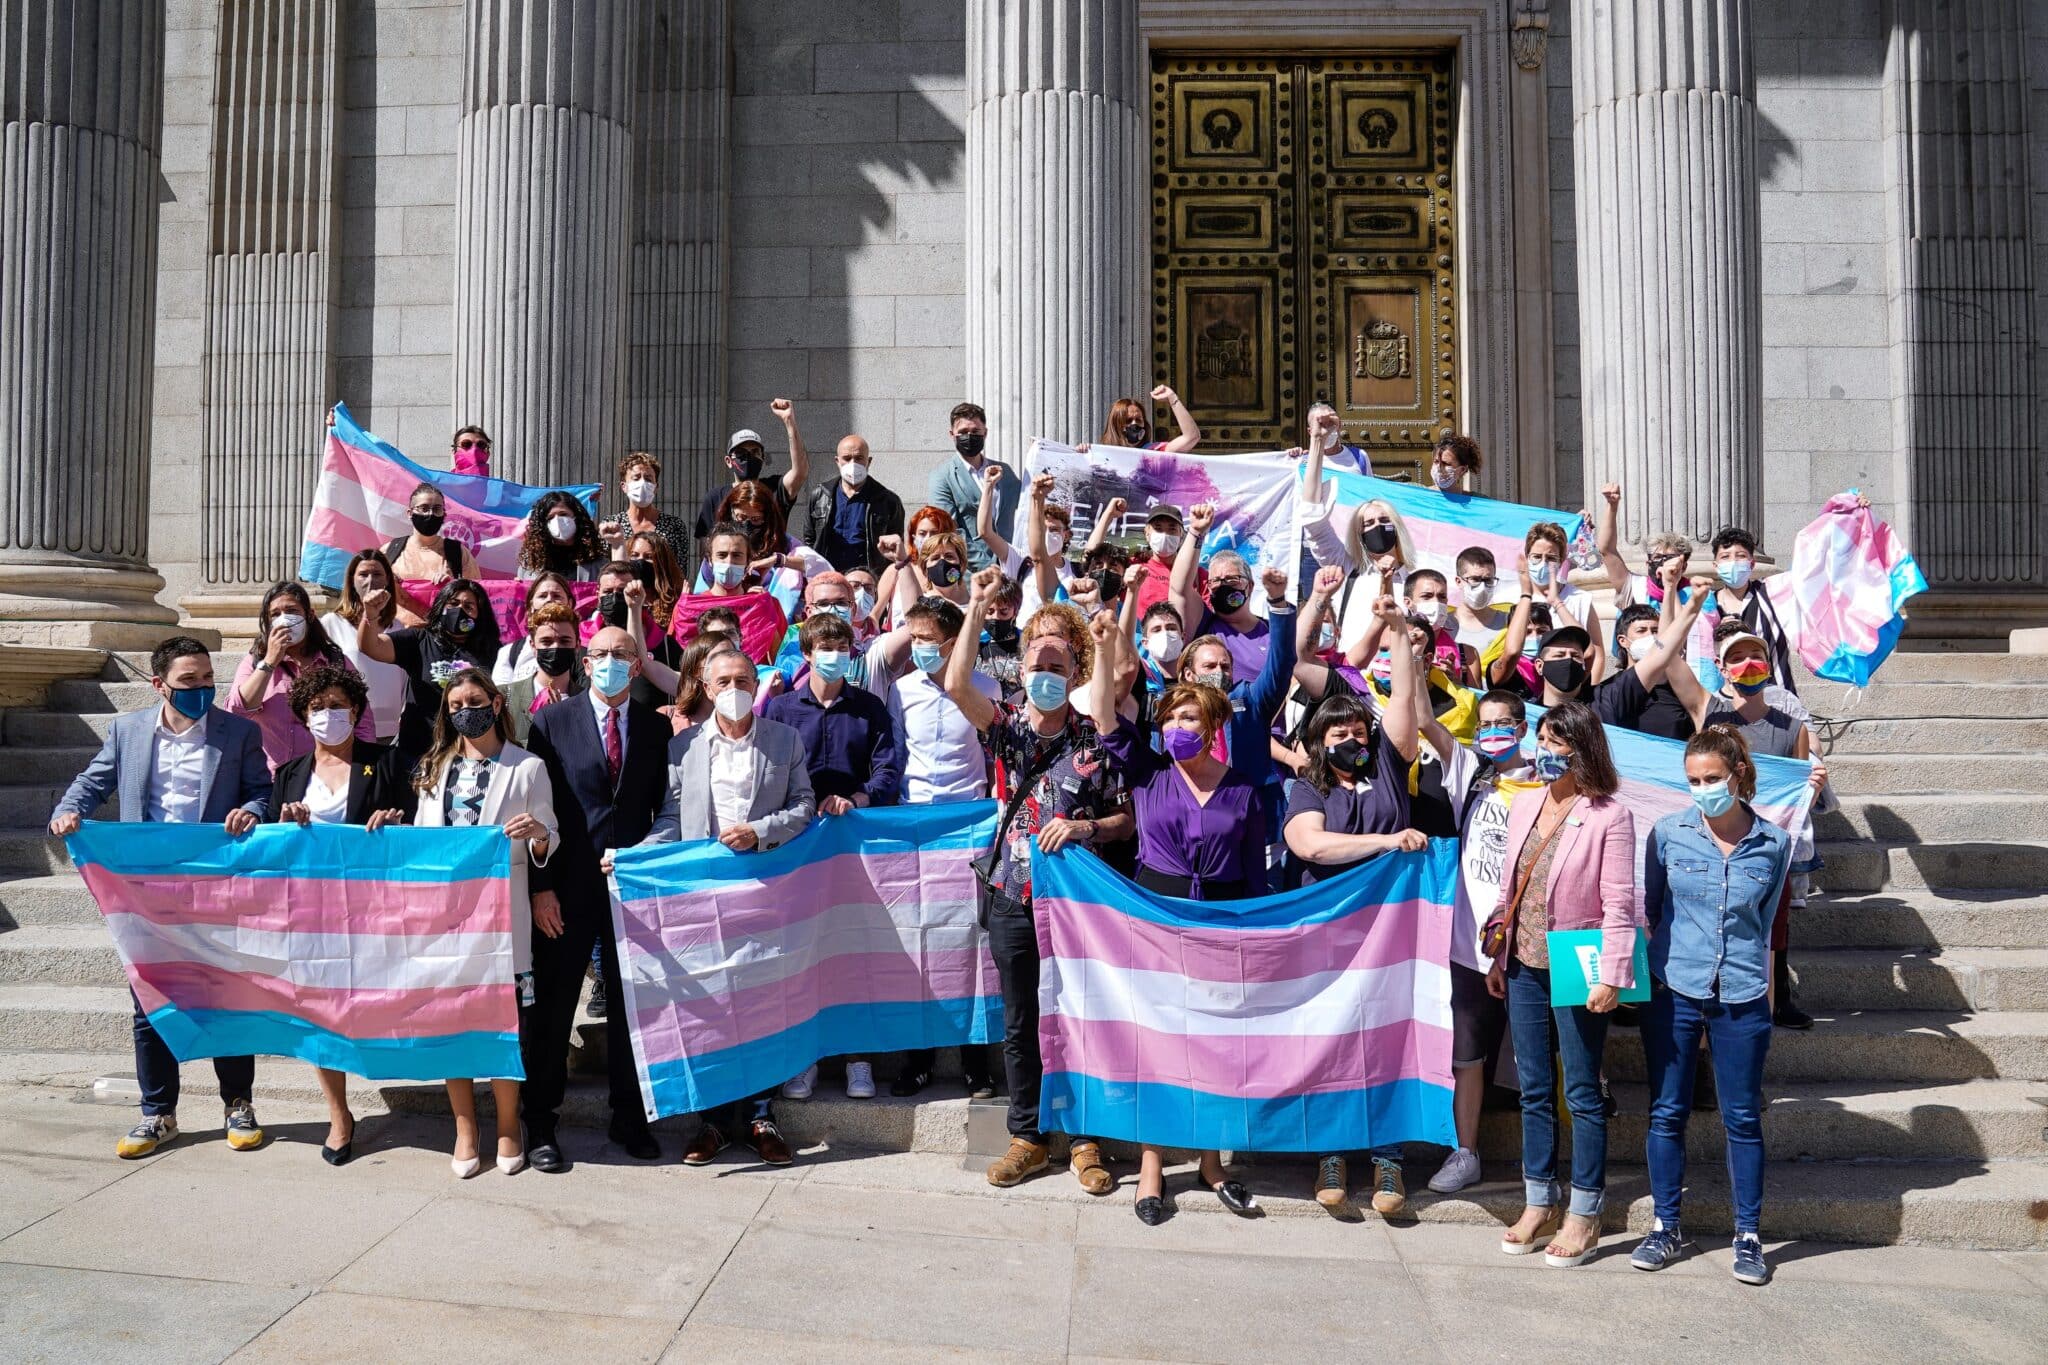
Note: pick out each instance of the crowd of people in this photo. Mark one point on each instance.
(1184, 717)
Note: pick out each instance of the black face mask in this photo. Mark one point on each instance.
(1378, 539)
(428, 523)
(1350, 758)
(1135, 432)
(1109, 584)
(1566, 675)
(746, 466)
(1003, 634)
(943, 573)
(473, 722)
(456, 622)
(1228, 601)
(969, 443)
(611, 607)
(555, 660)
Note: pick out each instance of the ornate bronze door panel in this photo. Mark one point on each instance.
(1302, 246)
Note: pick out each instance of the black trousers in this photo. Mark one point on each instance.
(156, 1070)
(558, 968)
(1013, 942)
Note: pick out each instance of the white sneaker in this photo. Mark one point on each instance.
(860, 1081)
(800, 1087)
(1460, 1168)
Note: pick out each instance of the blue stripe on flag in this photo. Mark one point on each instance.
(707, 865)
(693, 1084)
(316, 852)
(1490, 516)
(1174, 1116)
(323, 564)
(194, 1034)
(476, 491)
(1658, 762)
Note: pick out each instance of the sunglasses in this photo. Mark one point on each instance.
(471, 443)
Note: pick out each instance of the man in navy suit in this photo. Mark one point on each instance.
(607, 758)
(181, 762)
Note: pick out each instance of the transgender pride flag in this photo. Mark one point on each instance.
(1316, 1021)
(365, 495)
(1443, 525)
(385, 955)
(856, 937)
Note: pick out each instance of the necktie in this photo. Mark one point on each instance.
(614, 753)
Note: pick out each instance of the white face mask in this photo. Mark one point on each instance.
(1432, 612)
(1165, 645)
(562, 527)
(1055, 542)
(1478, 597)
(330, 726)
(734, 703)
(1333, 438)
(920, 540)
(1641, 648)
(1445, 477)
(639, 492)
(294, 626)
(1164, 543)
(854, 472)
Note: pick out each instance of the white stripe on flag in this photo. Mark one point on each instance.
(1322, 1005)
(370, 962)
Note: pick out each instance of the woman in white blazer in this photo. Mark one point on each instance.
(475, 775)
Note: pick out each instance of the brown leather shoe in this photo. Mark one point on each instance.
(705, 1147)
(1023, 1159)
(769, 1144)
(1086, 1160)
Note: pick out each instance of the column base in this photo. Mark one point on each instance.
(82, 605)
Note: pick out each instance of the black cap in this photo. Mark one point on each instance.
(1572, 637)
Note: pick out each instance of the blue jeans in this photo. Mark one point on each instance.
(1738, 1037)
(1579, 1036)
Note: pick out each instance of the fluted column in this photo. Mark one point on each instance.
(81, 116)
(682, 160)
(1058, 263)
(1664, 141)
(544, 179)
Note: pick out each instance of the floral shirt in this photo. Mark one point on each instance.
(1080, 784)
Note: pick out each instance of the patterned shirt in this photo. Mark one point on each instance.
(462, 798)
(1080, 784)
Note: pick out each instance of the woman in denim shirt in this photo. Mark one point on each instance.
(1711, 880)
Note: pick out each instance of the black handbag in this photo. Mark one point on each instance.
(988, 860)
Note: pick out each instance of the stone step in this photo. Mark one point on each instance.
(54, 729)
(1865, 866)
(1910, 701)
(29, 807)
(51, 766)
(111, 696)
(1876, 775)
(31, 852)
(1944, 668)
(1866, 734)
(41, 1018)
(60, 955)
(1904, 1047)
(1892, 979)
(56, 898)
(1959, 813)
(1921, 919)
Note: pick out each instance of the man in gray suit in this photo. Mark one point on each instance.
(182, 762)
(743, 780)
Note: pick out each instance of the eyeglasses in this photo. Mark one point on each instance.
(472, 443)
(626, 654)
(1485, 582)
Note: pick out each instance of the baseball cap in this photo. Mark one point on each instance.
(1166, 511)
(742, 436)
(1572, 637)
(1722, 650)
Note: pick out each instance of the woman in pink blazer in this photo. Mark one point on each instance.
(1570, 865)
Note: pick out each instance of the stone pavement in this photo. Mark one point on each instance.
(201, 1253)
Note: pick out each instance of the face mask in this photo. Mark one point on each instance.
(1048, 691)
(1566, 675)
(456, 622)
(728, 575)
(1750, 677)
(1164, 543)
(428, 523)
(1109, 584)
(1478, 597)
(854, 473)
(1165, 645)
(920, 540)
(1055, 543)
(838, 609)
(943, 573)
(1381, 669)
(562, 527)
(1735, 572)
(555, 660)
(639, 492)
(1378, 538)
(1135, 432)
(611, 676)
(1530, 646)
(969, 443)
(1540, 571)
(331, 725)
(1641, 648)
(1182, 744)
(611, 607)
(1445, 477)
(1228, 601)
(191, 702)
(926, 656)
(1549, 766)
(294, 626)
(1432, 612)
(746, 466)
(1497, 742)
(1349, 758)
(831, 664)
(1219, 681)
(1333, 438)
(1713, 798)
(1003, 634)
(863, 602)
(734, 703)
(473, 722)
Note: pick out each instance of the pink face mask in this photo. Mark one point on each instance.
(475, 460)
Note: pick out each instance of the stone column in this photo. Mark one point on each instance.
(544, 180)
(1058, 238)
(1664, 140)
(81, 116)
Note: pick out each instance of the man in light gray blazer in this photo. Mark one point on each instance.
(743, 780)
(183, 762)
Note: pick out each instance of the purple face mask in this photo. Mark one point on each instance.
(1182, 745)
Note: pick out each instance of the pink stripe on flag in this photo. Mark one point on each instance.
(750, 909)
(319, 906)
(329, 526)
(1396, 933)
(1257, 1067)
(424, 1013)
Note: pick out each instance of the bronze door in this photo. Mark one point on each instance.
(1302, 247)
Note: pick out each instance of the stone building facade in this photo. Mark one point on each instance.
(1734, 255)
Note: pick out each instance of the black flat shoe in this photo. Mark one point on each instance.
(1789, 1015)
(1234, 1196)
(637, 1143)
(910, 1083)
(338, 1156)
(980, 1088)
(547, 1158)
(1152, 1211)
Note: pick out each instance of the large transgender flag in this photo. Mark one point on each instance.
(1317, 1021)
(1443, 525)
(859, 936)
(365, 495)
(386, 955)
(1842, 599)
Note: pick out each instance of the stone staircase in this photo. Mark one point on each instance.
(1908, 1114)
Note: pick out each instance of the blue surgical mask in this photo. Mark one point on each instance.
(192, 702)
(831, 664)
(838, 609)
(611, 676)
(1549, 766)
(1735, 572)
(728, 575)
(1713, 798)
(926, 656)
(1539, 573)
(1497, 742)
(1048, 691)
(863, 602)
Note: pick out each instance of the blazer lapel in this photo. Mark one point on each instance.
(211, 759)
(494, 795)
(137, 740)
